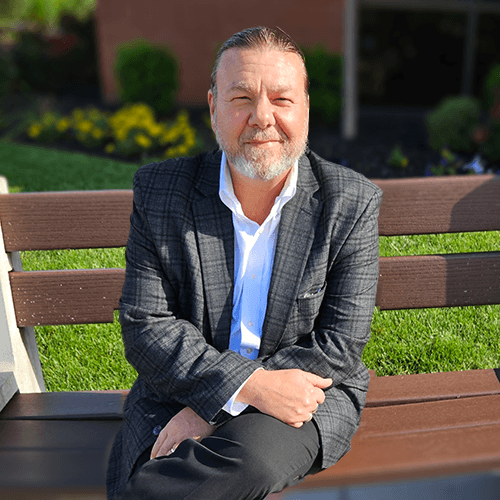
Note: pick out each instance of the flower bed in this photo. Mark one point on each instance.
(130, 132)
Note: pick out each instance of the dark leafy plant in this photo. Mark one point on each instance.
(325, 92)
(452, 124)
(147, 73)
(491, 147)
(491, 89)
(8, 73)
(60, 64)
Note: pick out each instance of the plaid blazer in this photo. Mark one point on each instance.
(176, 305)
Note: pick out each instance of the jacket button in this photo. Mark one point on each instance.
(157, 430)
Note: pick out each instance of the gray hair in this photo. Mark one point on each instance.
(260, 37)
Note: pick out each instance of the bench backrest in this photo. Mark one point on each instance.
(71, 220)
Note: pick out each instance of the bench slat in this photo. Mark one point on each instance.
(430, 416)
(416, 440)
(407, 456)
(405, 389)
(440, 205)
(392, 443)
(96, 405)
(57, 454)
(439, 281)
(91, 296)
(66, 297)
(60, 220)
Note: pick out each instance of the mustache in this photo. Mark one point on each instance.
(264, 135)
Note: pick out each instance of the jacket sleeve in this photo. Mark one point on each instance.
(170, 354)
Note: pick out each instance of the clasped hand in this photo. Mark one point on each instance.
(291, 396)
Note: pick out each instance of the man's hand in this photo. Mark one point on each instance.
(186, 424)
(291, 396)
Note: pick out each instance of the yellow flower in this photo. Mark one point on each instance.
(63, 124)
(154, 129)
(109, 148)
(121, 134)
(35, 130)
(143, 141)
(97, 133)
(84, 126)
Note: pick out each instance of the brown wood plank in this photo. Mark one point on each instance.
(66, 297)
(99, 405)
(16, 435)
(90, 296)
(440, 205)
(404, 389)
(55, 454)
(430, 416)
(93, 492)
(59, 220)
(99, 219)
(439, 281)
(407, 456)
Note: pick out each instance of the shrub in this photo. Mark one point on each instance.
(147, 73)
(7, 73)
(325, 76)
(491, 147)
(46, 13)
(452, 123)
(491, 85)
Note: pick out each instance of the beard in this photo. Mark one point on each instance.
(262, 163)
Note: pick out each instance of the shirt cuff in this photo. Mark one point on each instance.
(234, 408)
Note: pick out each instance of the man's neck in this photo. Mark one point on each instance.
(257, 196)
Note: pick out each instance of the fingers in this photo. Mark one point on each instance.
(163, 445)
(320, 382)
(156, 447)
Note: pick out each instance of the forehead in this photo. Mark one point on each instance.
(255, 67)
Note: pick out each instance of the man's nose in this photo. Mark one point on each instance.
(262, 114)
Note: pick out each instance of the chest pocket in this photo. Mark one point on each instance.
(308, 306)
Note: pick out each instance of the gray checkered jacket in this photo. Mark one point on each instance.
(175, 309)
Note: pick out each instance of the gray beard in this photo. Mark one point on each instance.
(257, 167)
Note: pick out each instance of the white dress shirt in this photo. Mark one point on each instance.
(254, 248)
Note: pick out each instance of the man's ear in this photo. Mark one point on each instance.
(211, 105)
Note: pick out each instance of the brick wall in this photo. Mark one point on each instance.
(194, 29)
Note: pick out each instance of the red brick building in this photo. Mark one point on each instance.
(194, 29)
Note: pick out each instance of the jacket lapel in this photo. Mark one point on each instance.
(295, 237)
(214, 229)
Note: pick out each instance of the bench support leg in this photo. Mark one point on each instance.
(18, 348)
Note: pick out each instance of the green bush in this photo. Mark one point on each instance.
(452, 123)
(491, 84)
(7, 73)
(491, 148)
(147, 73)
(325, 76)
(46, 13)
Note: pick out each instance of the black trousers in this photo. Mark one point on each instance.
(249, 457)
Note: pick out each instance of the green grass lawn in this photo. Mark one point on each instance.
(90, 357)
(39, 169)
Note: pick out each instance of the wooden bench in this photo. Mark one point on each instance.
(56, 445)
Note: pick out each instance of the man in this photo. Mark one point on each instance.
(250, 286)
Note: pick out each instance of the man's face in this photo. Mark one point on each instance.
(261, 113)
